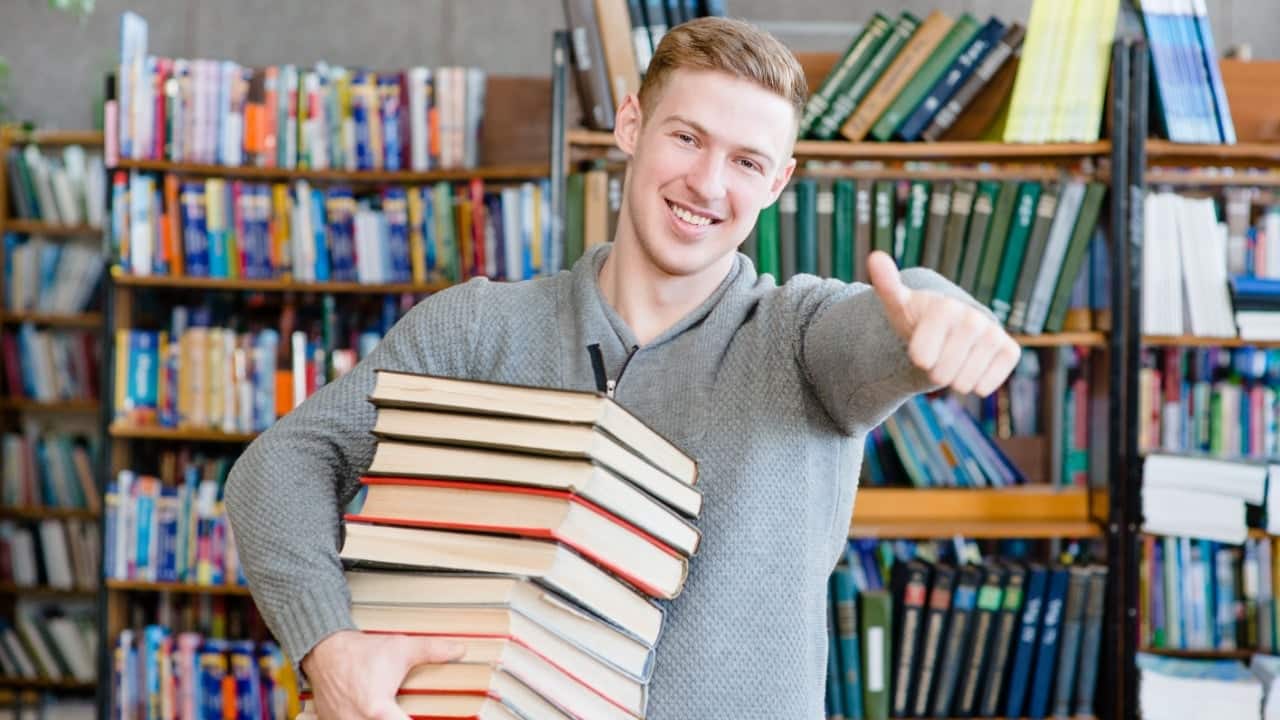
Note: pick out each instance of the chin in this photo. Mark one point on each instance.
(682, 261)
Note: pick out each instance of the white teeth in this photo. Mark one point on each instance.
(689, 217)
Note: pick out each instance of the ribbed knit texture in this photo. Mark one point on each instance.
(771, 389)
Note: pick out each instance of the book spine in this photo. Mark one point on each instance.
(905, 66)
(854, 60)
(955, 76)
(827, 126)
(933, 69)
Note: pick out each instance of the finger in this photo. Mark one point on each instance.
(930, 333)
(390, 711)
(963, 333)
(421, 650)
(980, 358)
(887, 282)
(1003, 364)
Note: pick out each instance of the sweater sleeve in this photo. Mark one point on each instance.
(285, 494)
(854, 360)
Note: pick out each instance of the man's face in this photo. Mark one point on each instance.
(713, 151)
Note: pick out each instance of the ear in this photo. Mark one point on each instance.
(626, 124)
(780, 181)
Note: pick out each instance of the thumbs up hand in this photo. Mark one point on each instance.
(957, 345)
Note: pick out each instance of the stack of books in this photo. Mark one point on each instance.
(536, 527)
(1200, 497)
(1184, 688)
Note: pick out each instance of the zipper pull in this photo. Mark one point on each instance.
(603, 383)
(609, 387)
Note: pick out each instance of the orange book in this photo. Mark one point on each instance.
(284, 392)
(270, 101)
(172, 230)
(462, 226)
(897, 75)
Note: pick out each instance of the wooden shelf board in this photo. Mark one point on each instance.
(77, 320)
(1261, 152)
(1020, 172)
(1023, 511)
(24, 683)
(9, 588)
(1091, 339)
(162, 281)
(55, 137)
(35, 227)
(1239, 654)
(840, 149)
(939, 529)
(1199, 341)
(1211, 178)
(42, 513)
(188, 588)
(495, 172)
(62, 406)
(122, 430)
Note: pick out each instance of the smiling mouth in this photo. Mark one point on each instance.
(691, 217)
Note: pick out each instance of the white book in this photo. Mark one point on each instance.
(1247, 481)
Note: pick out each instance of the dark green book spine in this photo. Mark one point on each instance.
(787, 233)
(883, 216)
(911, 95)
(826, 230)
(846, 71)
(1076, 252)
(806, 190)
(876, 630)
(1024, 215)
(573, 231)
(997, 236)
(984, 619)
(1002, 644)
(1046, 208)
(935, 626)
(979, 223)
(939, 211)
(909, 624)
(957, 225)
(842, 220)
(828, 125)
(767, 245)
(917, 218)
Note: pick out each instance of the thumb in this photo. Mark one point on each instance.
(887, 282)
(424, 650)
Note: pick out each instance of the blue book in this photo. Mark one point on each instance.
(1191, 57)
(846, 632)
(835, 696)
(1047, 652)
(322, 268)
(1020, 670)
(1166, 81)
(955, 76)
(1222, 108)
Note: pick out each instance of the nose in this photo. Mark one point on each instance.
(706, 177)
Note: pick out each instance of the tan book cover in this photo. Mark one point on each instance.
(904, 67)
(619, 52)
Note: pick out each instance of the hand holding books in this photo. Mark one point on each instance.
(356, 675)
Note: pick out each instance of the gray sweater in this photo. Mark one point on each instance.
(772, 390)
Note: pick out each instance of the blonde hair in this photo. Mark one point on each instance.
(729, 46)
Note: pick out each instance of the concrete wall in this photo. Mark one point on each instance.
(57, 60)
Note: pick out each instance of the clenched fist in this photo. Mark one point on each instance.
(957, 345)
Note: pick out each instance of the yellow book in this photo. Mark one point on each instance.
(346, 123)
(162, 352)
(281, 249)
(1070, 71)
(417, 243)
(122, 375)
(214, 379)
(1101, 34)
(535, 232)
(1027, 84)
(904, 67)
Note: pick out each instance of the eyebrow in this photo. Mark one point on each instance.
(697, 127)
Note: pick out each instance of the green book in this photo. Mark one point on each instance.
(883, 216)
(1030, 310)
(1046, 210)
(989, 266)
(957, 226)
(939, 211)
(842, 220)
(980, 221)
(954, 43)
(917, 217)
(1077, 250)
(875, 628)
(1024, 215)
(846, 71)
(574, 190)
(767, 245)
(828, 125)
(447, 248)
(806, 226)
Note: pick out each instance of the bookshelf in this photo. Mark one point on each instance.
(1040, 510)
(63, 415)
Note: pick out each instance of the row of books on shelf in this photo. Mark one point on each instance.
(1017, 247)
(597, 514)
(60, 188)
(218, 112)
(29, 706)
(162, 674)
(1190, 100)
(49, 277)
(171, 533)
(49, 641)
(47, 469)
(235, 229)
(611, 43)
(950, 635)
(50, 553)
(210, 369)
(1197, 594)
(50, 365)
(1172, 688)
(1221, 402)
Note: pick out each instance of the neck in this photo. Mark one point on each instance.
(648, 299)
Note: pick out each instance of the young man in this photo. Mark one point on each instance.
(771, 389)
